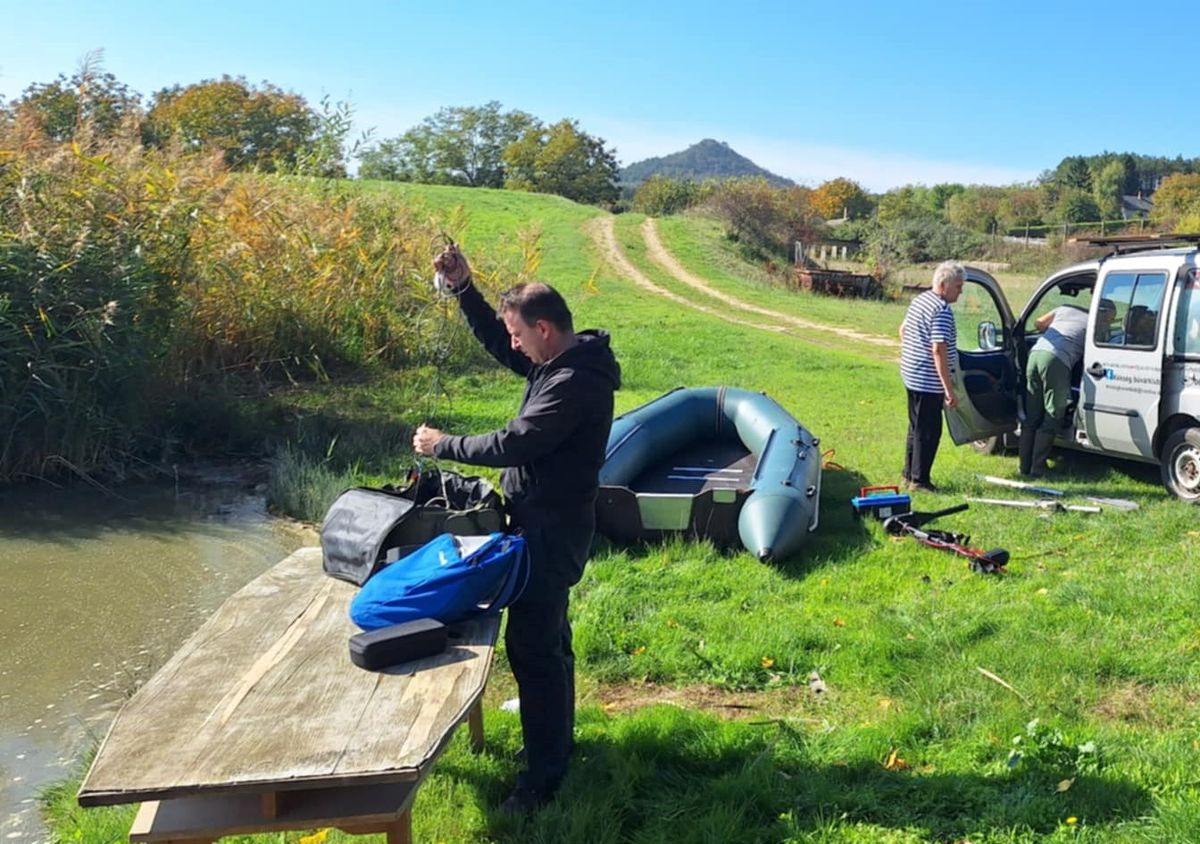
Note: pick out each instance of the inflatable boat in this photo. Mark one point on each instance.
(712, 462)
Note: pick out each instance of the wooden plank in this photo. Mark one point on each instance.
(374, 807)
(264, 698)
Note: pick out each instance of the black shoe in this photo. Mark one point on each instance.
(928, 486)
(524, 801)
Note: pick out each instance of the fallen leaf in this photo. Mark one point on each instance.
(1043, 591)
(837, 622)
(316, 837)
(1193, 533)
(885, 703)
(1063, 785)
(1071, 821)
(895, 762)
(824, 581)
(767, 662)
(910, 637)
(639, 650)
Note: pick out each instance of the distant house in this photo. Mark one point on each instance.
(1135, 207)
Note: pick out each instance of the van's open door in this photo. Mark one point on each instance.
(985, 380)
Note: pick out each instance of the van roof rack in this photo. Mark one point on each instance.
(1139, 242)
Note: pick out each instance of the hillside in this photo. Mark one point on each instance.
(708, 159)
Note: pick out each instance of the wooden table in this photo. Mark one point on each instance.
(260, 722)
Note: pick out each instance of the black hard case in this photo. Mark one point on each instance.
(390, 646)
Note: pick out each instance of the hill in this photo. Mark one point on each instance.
(708, 159)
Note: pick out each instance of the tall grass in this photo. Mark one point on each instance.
(130, 278)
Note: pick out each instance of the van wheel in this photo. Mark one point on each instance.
(1181, 464)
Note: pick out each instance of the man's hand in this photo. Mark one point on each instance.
(951, 399)
(425, 439)
(453, 266)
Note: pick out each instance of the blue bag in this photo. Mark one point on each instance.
(450, 578)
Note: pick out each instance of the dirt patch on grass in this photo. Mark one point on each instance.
(1153, 705)
(723, 703)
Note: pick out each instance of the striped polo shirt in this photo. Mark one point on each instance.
(929, 320)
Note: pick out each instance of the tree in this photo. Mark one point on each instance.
(254, 128)
(1021, 206)
(906, 203)
(565, 160)
(977, 208)
(1073, 172)
(457, 145)
(1108, 186)
(838, 197)
(1178, 197)
(1075, 205)
(89, 98)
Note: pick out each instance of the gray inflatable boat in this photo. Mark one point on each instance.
(713, 462)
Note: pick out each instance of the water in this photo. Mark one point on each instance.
(97, 593)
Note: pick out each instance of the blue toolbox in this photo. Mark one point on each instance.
(881, 501)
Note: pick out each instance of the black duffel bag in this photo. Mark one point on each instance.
(364, 529)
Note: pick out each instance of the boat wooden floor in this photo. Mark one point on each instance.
(699, 467)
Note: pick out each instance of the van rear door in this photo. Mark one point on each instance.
(1123, 361)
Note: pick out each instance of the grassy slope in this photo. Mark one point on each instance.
(1094, 627)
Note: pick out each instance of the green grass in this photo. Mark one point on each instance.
(1094, 627)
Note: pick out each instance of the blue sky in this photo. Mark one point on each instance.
(883, 93)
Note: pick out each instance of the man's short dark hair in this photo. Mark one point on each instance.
(534, 301)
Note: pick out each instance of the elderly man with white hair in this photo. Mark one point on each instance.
(927, 356)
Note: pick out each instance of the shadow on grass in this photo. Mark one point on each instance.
(838, 535)
(665, 774)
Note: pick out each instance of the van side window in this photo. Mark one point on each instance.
(1137, 298)
(1187, 320)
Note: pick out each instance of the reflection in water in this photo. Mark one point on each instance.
(98, 593)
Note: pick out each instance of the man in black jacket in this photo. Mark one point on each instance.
(551, 453)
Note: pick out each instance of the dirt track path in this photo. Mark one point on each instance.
(659, 255)
(602, 230)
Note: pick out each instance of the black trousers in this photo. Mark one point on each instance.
(924, 434)
(538, 642)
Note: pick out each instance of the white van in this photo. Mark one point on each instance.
(1136, 394)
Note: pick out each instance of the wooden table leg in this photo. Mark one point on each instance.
(401, 831)
(475, 725)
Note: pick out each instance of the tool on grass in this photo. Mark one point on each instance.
(914, 519)
(881, 501)
(1114, 503)
(1043, 490)
(983, 562)
(1041, 504)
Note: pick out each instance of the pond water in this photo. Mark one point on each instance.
(99, 590)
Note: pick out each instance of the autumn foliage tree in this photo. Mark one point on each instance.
(839, 197)
(255, 128)
(1177, 201)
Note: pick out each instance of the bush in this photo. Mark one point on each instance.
(918, 241)
(660, 196)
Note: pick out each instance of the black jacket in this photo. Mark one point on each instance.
(552, 451)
